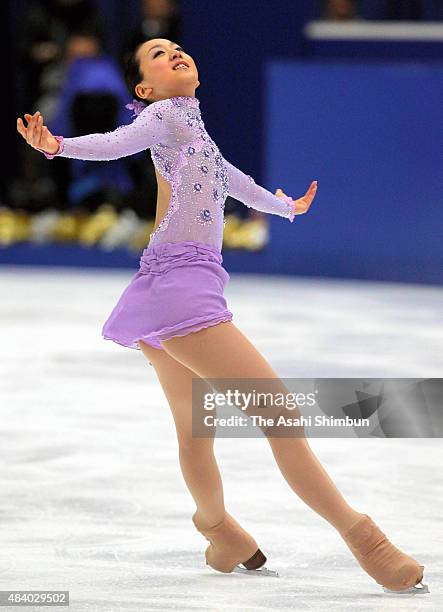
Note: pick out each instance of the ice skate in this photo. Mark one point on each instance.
(396, 572)
(231, 546)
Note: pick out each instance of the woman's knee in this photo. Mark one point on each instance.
(192, 447)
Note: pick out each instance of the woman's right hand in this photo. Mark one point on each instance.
(36, 134)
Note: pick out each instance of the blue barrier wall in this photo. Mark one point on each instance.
(370, 135)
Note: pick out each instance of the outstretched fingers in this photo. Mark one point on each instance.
(309, 196)
(31, 129)
(21, 128)
(38, 132)
(33, 132)
(311, 192)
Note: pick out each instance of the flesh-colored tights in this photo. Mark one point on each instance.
(222, 351)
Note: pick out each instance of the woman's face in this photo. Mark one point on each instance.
(157, 59)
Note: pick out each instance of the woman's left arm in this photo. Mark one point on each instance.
(242, 187)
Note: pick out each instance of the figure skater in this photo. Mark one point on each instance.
(174, 309)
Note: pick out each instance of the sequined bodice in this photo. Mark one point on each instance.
(185, 155)
(198, 178)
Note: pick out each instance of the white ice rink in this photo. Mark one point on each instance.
(92, 497)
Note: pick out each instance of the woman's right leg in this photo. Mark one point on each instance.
(196, 455)
(223, 352)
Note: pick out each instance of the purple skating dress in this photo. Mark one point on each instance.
(179, 285)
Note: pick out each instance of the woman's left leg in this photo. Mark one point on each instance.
(230, 543)
(222, 351)
(196, 455)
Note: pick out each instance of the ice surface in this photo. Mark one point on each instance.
(92, 497)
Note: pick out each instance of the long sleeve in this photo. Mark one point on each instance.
(242, 187)
(153, 125)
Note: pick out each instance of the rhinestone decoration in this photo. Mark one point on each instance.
(204, 217)
(197, 186)
(225, 183)
(185, 101)
(204, 169)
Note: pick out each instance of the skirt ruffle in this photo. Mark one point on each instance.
(177, 290)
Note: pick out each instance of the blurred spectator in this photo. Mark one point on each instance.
(41, 42)
(161, 19)
(93, 100)
(53, 33)
(83, 44)
(403, 9)
(46, 184)
(340, 10)
(78, 45)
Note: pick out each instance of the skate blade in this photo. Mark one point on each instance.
(411, 591)
(261, 571)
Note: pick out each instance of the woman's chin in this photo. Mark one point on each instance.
(185, 75)
(183, 71)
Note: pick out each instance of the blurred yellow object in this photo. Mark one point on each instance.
(15, 226)
(7, 225)
(250, 234)
(141, 237)
(68, 226)
(231, 228)
(22, 226)
(256, 234)
(97, 225)
(236, 236)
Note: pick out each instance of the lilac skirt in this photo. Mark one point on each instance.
(177, 290)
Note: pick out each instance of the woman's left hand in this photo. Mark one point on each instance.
(302, 205)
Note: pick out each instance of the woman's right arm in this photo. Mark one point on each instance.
(150, 127)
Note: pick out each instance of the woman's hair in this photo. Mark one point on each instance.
(132, 73)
